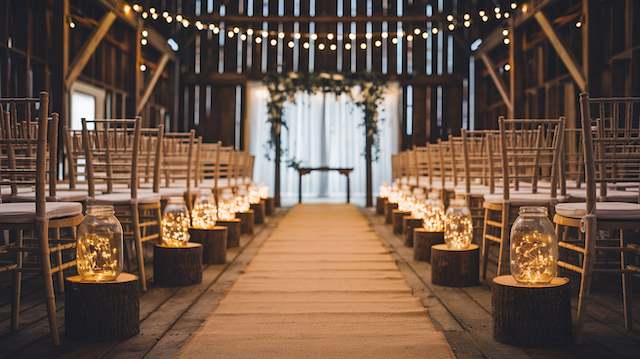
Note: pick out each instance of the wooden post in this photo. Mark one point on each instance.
(531, 315)
(177, 266)
(214, 243)
(233, 231)
(259, 212)
(95, 311)
(455, 267)
(423, 240)
(276, 128)
(397, 218)
(246, 222)
(368, 157)
(408, 224)
(388, 212)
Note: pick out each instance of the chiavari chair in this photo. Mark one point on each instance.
(26, 163)
(611, 152)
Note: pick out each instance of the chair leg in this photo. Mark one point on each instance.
(587, 266)
(135, 224)
(504, 237)
(626, 285)
(485, 245)
(43, 233)
(17, 281)
(60, 273)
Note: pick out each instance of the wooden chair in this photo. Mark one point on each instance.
(113, 150)
(611, 152)
(530, 153)
(26, 162)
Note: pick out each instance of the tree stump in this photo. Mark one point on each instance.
(177, 266)
(396, 222)
(246, 222)
(270, 206)
(233, 232)
(408, 224)
(259, 212)
(537, 315)
(388, 212)
(380, 204)
(455, 267)
(96, 311)
(423, 240)
(214, 243)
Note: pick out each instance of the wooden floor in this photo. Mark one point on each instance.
(322, 286)
(171, 316)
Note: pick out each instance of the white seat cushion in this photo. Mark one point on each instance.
(604, 210)
(522, 199)
(26, 212)
(125, 198)
(612, 195)
(61, 196)
(165, 192)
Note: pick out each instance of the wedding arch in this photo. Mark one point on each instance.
(283, 88)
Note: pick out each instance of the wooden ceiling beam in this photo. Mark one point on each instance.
(237, 19)
(497, 81)
(89, 47)
(152, 83)
(567, 58)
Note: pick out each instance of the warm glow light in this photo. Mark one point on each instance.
(330, 36)
(126, 8)
(143, 67)
(425, 35)
(320, 46)
(258, 40)
(99, 248)
(314, 37)
(507, 67)
(384, 35)
(394, 40)
(534, 248)
(505, 32)
(290, 44)
(143, 42)
(449, 17)
(434, 214)
(243, 37)
(378, 43)
(263, 192)
(506, 41)
(281, 35)
(273, 42)
(368, 35)
(485, 18)
(249, 32)
(265, 33)
(458, 226)
(347, 46)
(204, 212)
(451, 27)
(352, 36)
(297, 35)
(434, 30)
(305, 45)
(333, 47)
(467, 23)
(514, 5)
(175, 223)
(416, 31)
(230, 34)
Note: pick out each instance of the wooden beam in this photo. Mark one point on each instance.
(89, 47)
(238, 19)
(566, 57)
(152, 83)
(497, 81)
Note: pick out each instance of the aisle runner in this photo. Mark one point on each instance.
(322, 286)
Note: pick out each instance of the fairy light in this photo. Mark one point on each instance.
(352, 36)
(243, 37)
(145, 15)
(330, 36)
(506, 41)
(154, 16)
(126, 8)
(417, 31)
(185, 23)
(230, 34)
(333, 47)
(169, 19)
(384, 35)
(347, 46)
(72, 24)
(434, 30)
(258, 40)
(485, 18)
(533, 260)
(449, 17)
(451, 27)
(249, 32)
(143, 67)
(409, 37)
(394, 40)
(204, 212)
(467, 23)
(368, 35)
(458, 226)
(273, 42)
(143, 42)
(378, 43)
(281, 35)
(305, 45)
(175, 223)
(321, 46)
(290, 44)
(137, 8)
(425, 35)
(514, 5)
(265, 33)
(314, 37)
(297, 36)
(507, 67)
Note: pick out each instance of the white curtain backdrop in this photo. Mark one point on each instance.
(323, 130)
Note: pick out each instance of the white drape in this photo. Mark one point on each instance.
(323, 130)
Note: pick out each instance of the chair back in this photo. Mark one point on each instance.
(178, 158)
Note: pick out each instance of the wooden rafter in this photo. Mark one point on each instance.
(497, 81)
(232, 19)
(566, 56)
(89, 47)
(152, 83)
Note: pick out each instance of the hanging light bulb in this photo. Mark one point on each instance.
(417, 31)
(281, 35)
(333, 47)
(384, 35)
(274, 42)
(126, 8)
(249, 32)
(243, 37)
(496, 10)
(305, 45)
(258, 40)
(363, 46)
(137, 8)
(211, 27)
(506, 15)
(236, 30)
(466, 16)
(72, 24)
(378, 43)
(451, 27)
(320, 46)
(290, 44)
(507, 67)
(330, 36)
(152, 10)
(400, 33)
(579, 23)
(434, 30)
(347, 46)
(145, 33)
(425, 35)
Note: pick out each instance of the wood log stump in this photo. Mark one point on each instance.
(97, 311)
(246, 222)
(397, 218)
(177, 266)
(270, 206)
(259, 212)
(455, 267)
(233, 232)
(214, 243)
(423, 240)
(408, 224)
(537, 315)
(380, 204)
(388, 212)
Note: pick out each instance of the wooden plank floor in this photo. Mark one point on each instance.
(340, 295)
(464, 314)
(168, 315)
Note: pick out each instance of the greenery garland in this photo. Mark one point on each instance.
(284, 88)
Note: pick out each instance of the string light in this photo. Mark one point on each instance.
(352, 36)
(330, 36)
(498, 15)
(434, 30)
(363, 46)
(249, 32)
(320, 46)
(305, 45)
(179, 17)
(378, 43)
(314, 37)
(485, 18)
(417, 31)
(243, 37)
(496, 10)
(506, 41)
(126, 8)
(482, 13)
(347, 46)
(137, 8)
(72, 24)
(409, 37)
(169, 19)
(425, 35)
(579, 23)
(333, 47)
(507, 67)
(290, 44)
(467, 17)
(143, 67)
(467, 23)
(281, 35)
(154, 16)
(165, 14)
(394, 40)
(258, 40)
(384, 35)
(143, 42)
(449, 17)
(505, 32)
(216, 30)
(506, 15)
(273, 42)
(368, 35)
(514, 5)
(297, 36)
(451, 27)
(145, 15)
(265, 33)
(230, 34)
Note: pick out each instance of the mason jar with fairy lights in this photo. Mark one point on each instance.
(226, 206)
(253, 194)
(534, 247)
(175, 223)
(458, 225)
(100, 245)
(204, 212)
(242, 200)
(264, 192)
(434, 214)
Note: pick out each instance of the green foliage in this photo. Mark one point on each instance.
(284, 88)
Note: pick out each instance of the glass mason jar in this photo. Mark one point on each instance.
(242, 200)
(384, 190)
(434, 214)
(99, 249)
(204, 214)
(264, 192)
(458, 226)
(534, 247)
(226, 206)
(254, 194)
(175, 223)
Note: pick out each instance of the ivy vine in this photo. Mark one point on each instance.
(284, 88)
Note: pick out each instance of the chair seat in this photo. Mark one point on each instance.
(125, 198)
(476, 190)
(523, 199)
(612, 195)
(448, 185)
(604, 210)
(165, 192)
(18, 213)
(61, 196)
